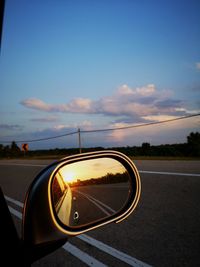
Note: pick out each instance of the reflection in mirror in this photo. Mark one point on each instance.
(89, 190)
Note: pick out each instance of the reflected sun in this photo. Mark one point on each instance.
(69, 176)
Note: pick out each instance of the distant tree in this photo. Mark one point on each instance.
(146, 149)
(14, 149)
(193, 141)
(6, 151)
(1, 150)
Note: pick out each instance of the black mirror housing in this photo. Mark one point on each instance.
(40, 223)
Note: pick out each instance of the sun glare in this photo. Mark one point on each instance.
(68, 176)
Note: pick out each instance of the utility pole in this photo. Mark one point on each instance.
(79, 140)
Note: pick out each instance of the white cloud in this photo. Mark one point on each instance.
(138, 101)
(77, 105)
(125, 90)
(139, 91)
(146, 91)
(198, 65)
(10, 127)
(60, 127)
(118, 135)
(172, 132)
(37, 104)
(159, 118)
(127, 102)
(45, 119)
(86, 125)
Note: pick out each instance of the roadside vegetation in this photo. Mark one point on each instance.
(191, 149)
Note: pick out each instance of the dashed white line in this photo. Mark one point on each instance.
(16, 202)
(15, 212)
(89, 260)
(103, 204)
(84, 257)
(97, 203)
(112, 251)
(140, 171)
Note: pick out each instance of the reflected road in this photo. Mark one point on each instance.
(99, 201)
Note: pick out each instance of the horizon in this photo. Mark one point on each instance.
(19, 145)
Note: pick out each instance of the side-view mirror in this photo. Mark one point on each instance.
(77, 194)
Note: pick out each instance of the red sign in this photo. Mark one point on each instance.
(24, 147)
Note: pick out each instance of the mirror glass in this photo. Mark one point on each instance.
(89, 190)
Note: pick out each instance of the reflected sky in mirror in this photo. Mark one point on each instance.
(89, 190)
(91, 169)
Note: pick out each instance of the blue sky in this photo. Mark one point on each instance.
(99, 64)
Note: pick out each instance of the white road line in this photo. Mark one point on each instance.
(84, 257)
(98, 244)
(15, 212)
(16, 202)
(96, 204)
(147, 172)
(103, 204)
(90, 261)
(172, 173)
(112, 251)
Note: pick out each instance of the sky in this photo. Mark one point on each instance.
(99, 64)
(91, 169)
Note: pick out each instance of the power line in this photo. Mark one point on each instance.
(139, 125)
(40, 139)
(104, 130)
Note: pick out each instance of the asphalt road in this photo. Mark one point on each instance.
(164, 230)
(97, 201)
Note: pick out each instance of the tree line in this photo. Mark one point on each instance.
(109, 178)
(189, 149)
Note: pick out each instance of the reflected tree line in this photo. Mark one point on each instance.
(109, 178)
(189, 149)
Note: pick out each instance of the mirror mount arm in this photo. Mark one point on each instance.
(39, 236)
(32, 253)
(22, 254)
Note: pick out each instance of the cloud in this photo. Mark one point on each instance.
(34, 103)
(10, 127)
(172, 132)
(159, 118)
(70, 140)
(84, 125)
(141, 91)
(45, 119)
(198, 65)
(125, 102)
(78, 105)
